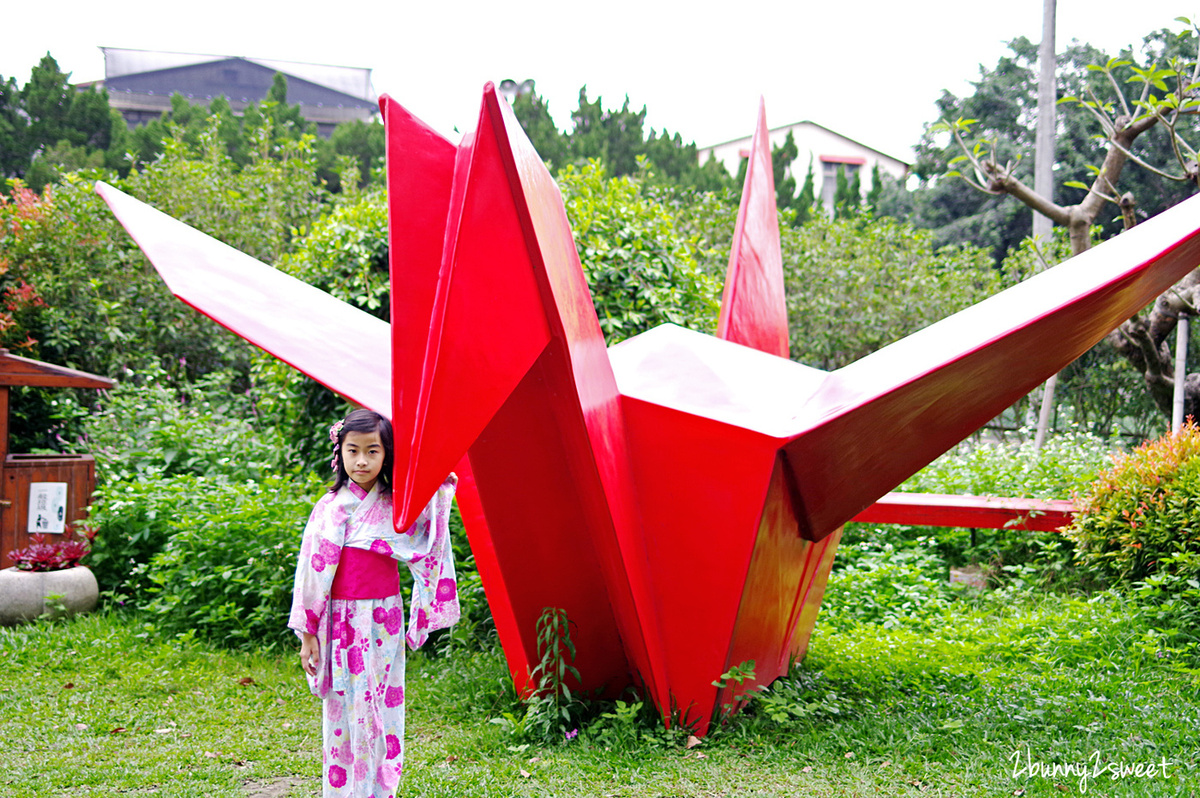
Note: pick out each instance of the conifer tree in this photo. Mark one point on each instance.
(841, 192)
(785, 185)
(876, 192)
(806, 198)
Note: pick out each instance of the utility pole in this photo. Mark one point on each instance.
(1043, 174)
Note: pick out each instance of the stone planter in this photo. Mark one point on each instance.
(24, 594)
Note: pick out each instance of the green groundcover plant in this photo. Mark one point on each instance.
(1065, 465)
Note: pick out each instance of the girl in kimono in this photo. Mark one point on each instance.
(347, 610)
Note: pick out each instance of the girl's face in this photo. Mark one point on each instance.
(362, 455)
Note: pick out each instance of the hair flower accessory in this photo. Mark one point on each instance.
(336, 429)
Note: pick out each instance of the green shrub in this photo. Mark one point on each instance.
(217, 556)
(151, 436)
(641, 271)
(260, 209)
(857, 284)
(226, 571)
(133, 522)
(151, 425)
(1141, 518)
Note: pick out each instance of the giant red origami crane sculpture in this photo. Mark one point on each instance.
(679, 495)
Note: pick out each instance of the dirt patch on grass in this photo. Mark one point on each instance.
(279, 788)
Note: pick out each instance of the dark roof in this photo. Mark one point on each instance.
(238, 79)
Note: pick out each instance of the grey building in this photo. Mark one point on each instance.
(140, 84)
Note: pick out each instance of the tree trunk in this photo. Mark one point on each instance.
(1144, 342)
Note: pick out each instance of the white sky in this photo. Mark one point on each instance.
(870, 69)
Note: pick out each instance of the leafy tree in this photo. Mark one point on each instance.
(71, 125)
(855, 284)
(712, 177)
(616, 139)
(895, 200)
(257, 209)
(785, 184)
(59, 159)
(841, 193)
(277, 94)
(1167, 101)
(261, 129)
(286, 120)
(1004, 106)
(89, 119)
(853, 194)
(48, 128)
(46, 99)
(642, 273)
(364, 142)
(676, 161)
(534, 114)
(14, 156)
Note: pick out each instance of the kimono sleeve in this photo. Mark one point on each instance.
(425, 547)
(320, 551)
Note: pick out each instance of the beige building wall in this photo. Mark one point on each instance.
(826, 148)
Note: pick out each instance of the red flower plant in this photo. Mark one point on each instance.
(41, 555)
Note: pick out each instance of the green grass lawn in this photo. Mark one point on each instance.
(932, 706)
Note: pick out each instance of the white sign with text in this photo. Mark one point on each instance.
(47, 507)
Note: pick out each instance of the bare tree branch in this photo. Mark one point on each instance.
(1097, 108)
(1005, 182)
(1117, 91)
(1142, 163)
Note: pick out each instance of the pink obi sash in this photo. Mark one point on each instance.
(363, 574)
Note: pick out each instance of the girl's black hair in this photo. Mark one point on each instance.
(364, 421)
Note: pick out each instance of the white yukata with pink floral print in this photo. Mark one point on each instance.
(361, 672)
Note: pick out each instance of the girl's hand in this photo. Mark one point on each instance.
(310, 653)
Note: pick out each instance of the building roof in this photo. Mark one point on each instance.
(803, 122)
(354, 81)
